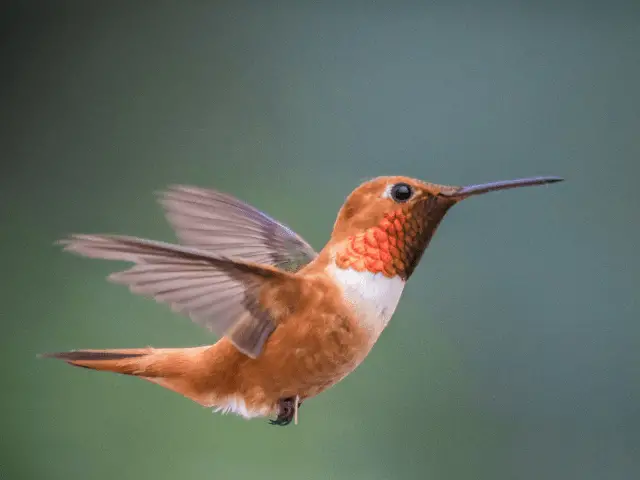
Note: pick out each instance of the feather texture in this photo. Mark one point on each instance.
(218, 293)
(219, 223)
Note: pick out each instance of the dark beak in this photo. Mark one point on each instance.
(460, 193)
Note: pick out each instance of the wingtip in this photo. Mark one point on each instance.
(173, 192)
(162, 193)
(70, 238)
(181, 187)
(62, 242)
(71, 242)
(66, 244)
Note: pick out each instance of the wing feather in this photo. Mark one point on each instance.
(219, 223)
(214, 291)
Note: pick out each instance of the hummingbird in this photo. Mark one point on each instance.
(291, 322)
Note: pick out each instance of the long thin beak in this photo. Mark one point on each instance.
(464, 192)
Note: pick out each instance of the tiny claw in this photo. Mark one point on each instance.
(286, 411)
(280, 422)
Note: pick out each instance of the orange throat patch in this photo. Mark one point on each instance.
(392, 248)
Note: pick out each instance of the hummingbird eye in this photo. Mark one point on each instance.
(401, 192)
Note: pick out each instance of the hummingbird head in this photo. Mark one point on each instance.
(386, 223)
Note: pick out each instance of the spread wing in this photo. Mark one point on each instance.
(218, 293)
(221, 224)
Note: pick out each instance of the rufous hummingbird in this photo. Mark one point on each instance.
(292, 322)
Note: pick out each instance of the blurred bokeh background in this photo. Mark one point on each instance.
(515, 351)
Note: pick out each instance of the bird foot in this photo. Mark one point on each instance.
(287, 411)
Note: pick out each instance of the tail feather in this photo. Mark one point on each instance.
(83, 355)
(134, 361)
(171, 368)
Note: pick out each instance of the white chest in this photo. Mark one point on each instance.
(374, 297)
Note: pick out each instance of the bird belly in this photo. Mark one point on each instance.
(316, 346)
(301, 358)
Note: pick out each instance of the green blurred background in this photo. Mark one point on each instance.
(515, 351)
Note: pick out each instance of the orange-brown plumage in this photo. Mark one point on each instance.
(292, 322)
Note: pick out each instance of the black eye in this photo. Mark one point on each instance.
(401, 192)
